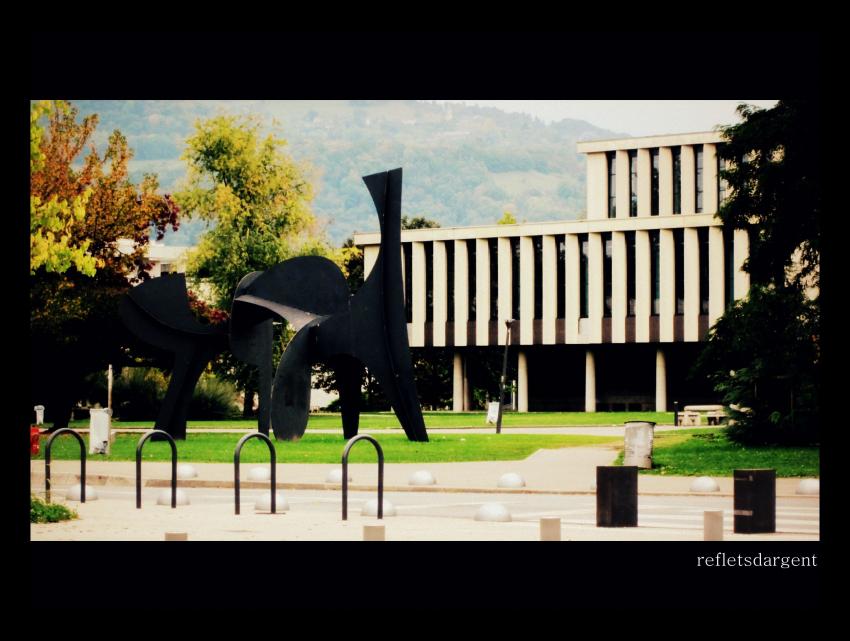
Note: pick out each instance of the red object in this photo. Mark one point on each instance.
(34, 447)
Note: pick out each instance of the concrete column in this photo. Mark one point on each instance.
(505, 286)
(692, 293)
(623, 195)
(665, 181)
(571, 278)
(709, 176)
(667, 273)
(467, 388)
(461, 291)
(619, 288)
(526, 290)
(370, 256)
(597, 181)
(596, 301)
(643, 289)
(457, 383)
(440, 293)
(741, 249)
(522, 382)
(660, 381)
(689, 193)
(589, 382)
(550, 289)
(716, 282)
(644, 178)
(419, 298)
(482, 291)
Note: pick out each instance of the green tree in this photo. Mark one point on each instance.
(507, 219)
(764, 353)
(258, 202)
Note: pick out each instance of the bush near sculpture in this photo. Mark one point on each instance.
(41, 512)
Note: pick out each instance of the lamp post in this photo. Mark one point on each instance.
(508, 323)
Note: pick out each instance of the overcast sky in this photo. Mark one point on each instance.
(632, 117)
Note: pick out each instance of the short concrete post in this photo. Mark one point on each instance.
(373, 533)
(176, 536)
(550, 528)
(713, 525)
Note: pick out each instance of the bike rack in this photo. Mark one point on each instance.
(238, 453)
(65, 430)
(141, 444)
(348, 446)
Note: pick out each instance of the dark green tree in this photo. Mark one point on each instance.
(764, 353)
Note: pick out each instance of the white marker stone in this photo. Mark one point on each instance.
(806, 486)
(495, 512)
(713, 525)
(260, 473)
(264, 503)
(422, 477)
(335, 476)
(704, 484)
(550, 528)
(370, 508)
(511, 480)
(73, 493)
(186, 471)
(164, 497)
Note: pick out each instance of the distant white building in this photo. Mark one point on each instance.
(166, 259)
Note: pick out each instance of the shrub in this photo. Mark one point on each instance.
(214, 399)
(41, 512)
(137, 393)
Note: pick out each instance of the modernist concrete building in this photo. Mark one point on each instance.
(609, 310)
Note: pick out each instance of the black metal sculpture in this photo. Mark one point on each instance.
(346, 332)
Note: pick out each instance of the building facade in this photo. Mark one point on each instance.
(609, 311)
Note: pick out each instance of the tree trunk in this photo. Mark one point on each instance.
(248, 404)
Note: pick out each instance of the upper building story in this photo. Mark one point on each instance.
(649, 263)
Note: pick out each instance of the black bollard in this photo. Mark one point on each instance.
(755, 501)
(616, 496)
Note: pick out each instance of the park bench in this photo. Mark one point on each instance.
(692, 415)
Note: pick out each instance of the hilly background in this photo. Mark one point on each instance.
(463, 165)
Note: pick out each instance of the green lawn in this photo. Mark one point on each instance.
(382, 420)
(327, 448)
(708, 452)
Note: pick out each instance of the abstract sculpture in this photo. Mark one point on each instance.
(346, 332)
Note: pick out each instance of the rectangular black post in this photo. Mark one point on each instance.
(755, 501)
(616, 496)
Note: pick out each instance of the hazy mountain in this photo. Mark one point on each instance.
(463, 165)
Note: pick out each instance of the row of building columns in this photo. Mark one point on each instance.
(462, 392)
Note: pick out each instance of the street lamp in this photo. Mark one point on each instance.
(508, 323)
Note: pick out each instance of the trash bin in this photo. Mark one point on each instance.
(616, 496)
(34, 446)
(99, 431)
(39, 414)
(638, 444)
(755, 501)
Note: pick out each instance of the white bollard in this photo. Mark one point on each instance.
(550, 528)
(373, 533)
(176, 536)
(713, 525)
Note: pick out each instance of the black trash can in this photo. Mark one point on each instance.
(755, 501)
(616, 496)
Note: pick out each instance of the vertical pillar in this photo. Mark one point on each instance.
(741, 249)
(526, 290)
(623, 195)
(440, 293)
(467, 388)
(619, 290)
(597, 181)
(419, 299)
(505, 286)
(370, 256)
(643, 290)
(461, 301)
(550, 289)
(667, 274)
(709, 178)
(665, 181)
(571, 278)
(482, 291)
(457, 383)
(522, 382)
(589, 382)
(644, 178)
(660, 381)
(692, 293)
(716, 282)
(689, 193)
(596, 295)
